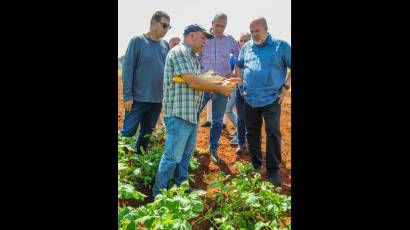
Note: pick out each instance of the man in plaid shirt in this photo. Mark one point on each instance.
(181, 106)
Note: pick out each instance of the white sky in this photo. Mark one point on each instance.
(134, 16)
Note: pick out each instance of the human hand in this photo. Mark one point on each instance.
(128, 105)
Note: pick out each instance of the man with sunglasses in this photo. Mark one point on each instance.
(215, 56)
(142, 77)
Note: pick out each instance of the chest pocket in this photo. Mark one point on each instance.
(208, 54)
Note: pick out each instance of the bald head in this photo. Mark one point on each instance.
(173, 42)
(260, 20)
(196, 40)
(243, 38)
(259, 30)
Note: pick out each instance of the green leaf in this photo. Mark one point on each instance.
(227, 226)
(197, 206)
(137, 172)
(123, 212)
(124, 224)
(216, 184)
(121, 167)
(147, 221)
(219, 220)
(132, 225)
(138, 196)
(194, 163)
(162, 211)
(181, 225)
(147, 178)
(224, 188)
(126, 191)
(171, 204)
(191, 177)
(252, 200)
(184, 185)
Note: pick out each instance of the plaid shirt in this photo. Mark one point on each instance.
(180, 100)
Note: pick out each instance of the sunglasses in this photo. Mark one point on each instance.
(165, 26)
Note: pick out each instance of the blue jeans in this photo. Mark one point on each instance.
(180, 143)
(229, 109)
(144, 114)
(240, 103)
(218, 109)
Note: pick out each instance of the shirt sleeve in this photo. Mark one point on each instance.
(240, 61)
(182, 63)
(232, 61)
(130, 62)
(286, 54)
(235, 47)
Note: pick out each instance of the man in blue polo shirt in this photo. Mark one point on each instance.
(264, 62)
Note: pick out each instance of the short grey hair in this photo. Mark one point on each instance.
(221, 16)
(245, 33)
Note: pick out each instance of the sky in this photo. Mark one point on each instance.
(134, 16)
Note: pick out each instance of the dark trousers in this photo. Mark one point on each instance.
(253, 122)
(142, 114)
(240, 103)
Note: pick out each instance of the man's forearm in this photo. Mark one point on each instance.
(238, 72)
(288, 79)
(199, 84)
(127, 85)
(129, 62)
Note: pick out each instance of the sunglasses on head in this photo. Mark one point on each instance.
(165, 26)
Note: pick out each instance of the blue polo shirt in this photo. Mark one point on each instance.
(264, 70)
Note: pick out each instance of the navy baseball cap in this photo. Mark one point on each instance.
(196, 28)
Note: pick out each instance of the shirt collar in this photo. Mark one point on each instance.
(215, 37)
(188, 47)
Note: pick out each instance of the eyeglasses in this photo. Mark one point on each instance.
(166, 26)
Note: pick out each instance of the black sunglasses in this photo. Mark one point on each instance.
(165, 26)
